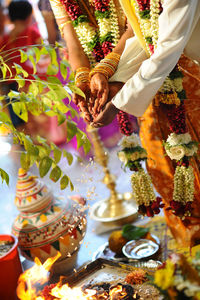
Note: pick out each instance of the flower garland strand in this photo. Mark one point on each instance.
(87, 34)
(97, 43)
(171, 95)
(132, 155)
(106, 15)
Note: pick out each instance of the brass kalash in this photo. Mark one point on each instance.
(119, 208)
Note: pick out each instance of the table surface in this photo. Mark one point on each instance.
(87, 178)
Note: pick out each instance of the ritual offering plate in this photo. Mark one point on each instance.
(105, 252)
(139, 249)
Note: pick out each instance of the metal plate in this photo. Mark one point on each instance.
(122, 212)
(140, 249)
(105, 252)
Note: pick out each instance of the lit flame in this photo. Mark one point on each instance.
(37, 274)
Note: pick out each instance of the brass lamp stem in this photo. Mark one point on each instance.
(109, 179)
(118, 208)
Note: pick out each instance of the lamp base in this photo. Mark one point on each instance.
(121, 211)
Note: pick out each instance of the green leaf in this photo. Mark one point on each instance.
(71, 77)
(131, 232)
(37, 53)
(3, 70)
(20, 80)
(20, 70)
(4, 118)
(76, 90)
(20, 109)
(13, 94)
(41, 140)
(64, 68)
(2, 97)
(53, 80)
(52, 69)
(55, 174)
(57, 153)
(53, 55)
(68, 156)
(64, 182)
(4, 176)
(86, 146)
(45, 165)
(24, 56)
(71, 130)
(61, 118)
(33, 88)
(44, 51)
(29, 146)
(25, 161)
(61, 107)
(80, 139)
(43, 151)
(71, 186)
(31, 58)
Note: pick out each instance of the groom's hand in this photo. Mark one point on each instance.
(106, 116)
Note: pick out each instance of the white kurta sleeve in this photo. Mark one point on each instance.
(175, 25)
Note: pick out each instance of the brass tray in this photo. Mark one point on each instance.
(102, 270)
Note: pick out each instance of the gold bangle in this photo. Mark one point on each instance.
(81, 69)
(61, 27)
(107, 66)
(82, 75)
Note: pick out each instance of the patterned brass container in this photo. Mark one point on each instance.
(46, 223)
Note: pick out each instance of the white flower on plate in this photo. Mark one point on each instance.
(130, 141)
(122, 157)
(176, 152)
(178, 139)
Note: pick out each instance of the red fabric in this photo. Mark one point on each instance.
(29, 36)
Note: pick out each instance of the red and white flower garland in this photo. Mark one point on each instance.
(171, 95)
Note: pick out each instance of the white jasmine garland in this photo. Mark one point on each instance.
(114, 23)
(110, 24)
(104, 26)
(142, 187)
(154, 13)
(183, 184)
(86, 33)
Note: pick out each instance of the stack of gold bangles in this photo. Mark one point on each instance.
(107, 66)
(82, 75)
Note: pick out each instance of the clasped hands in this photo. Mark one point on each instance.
(97, 108)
